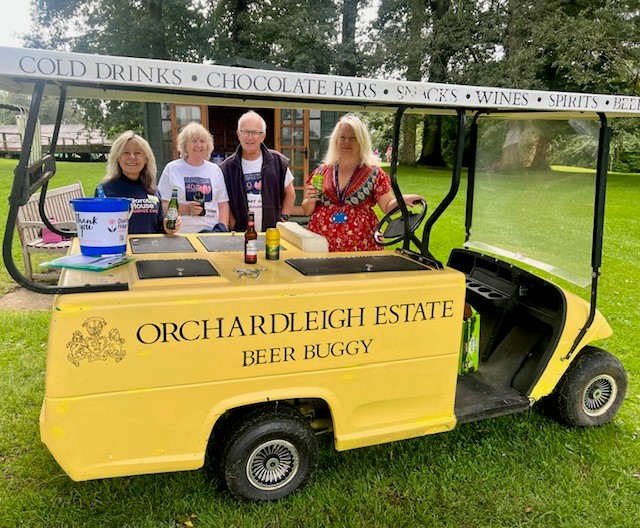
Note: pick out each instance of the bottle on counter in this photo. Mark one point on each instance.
(199, 197)
(100, 192)
(251, 242)
(172, 210)
(272, 246)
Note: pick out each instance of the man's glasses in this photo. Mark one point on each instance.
(251, 133)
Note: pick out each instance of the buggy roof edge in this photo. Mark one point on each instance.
(152, 80)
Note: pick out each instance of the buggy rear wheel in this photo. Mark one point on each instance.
(272, 453)
(592, 390)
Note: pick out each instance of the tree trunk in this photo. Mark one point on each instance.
(414, 73)
(431, 153)
(157, 44)
(407, 155)
(238, 10)
(348, 64)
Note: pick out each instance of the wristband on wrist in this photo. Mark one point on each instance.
(283, 217)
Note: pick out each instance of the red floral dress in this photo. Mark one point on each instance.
(362, 192)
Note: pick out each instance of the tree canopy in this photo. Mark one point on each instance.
(572, 45)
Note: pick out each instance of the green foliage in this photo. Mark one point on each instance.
(595, 58)
(580, 151)
(586, 46)
(161, 29)
(625, 146)
(292, 34)
(113, 117)
(380, 127)
(576, 46)
(48, 109)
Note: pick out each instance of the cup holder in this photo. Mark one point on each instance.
(485, 291)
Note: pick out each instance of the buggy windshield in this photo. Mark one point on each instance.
(534, 193)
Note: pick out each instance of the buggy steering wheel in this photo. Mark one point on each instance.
(391, 228)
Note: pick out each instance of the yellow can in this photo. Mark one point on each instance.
(272, 245)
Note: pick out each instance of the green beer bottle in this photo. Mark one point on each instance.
(172, 211)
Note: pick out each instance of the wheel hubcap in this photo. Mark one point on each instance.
(273, 464)
(599, 395)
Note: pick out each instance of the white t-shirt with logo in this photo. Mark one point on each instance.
(252, 170)
(206, 178)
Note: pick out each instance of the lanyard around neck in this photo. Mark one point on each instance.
(342, 195)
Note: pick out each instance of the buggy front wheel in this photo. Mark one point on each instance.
(592, 390)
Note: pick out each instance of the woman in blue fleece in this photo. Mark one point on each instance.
(131, 173)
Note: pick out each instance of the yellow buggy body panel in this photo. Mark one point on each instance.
(576, 314)
(137, 379)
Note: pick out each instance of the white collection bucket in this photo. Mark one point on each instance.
(103, 224)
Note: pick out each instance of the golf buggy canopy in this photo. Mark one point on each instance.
(517, 116)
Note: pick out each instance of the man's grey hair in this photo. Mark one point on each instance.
(252, 113)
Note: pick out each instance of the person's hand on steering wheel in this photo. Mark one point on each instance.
(391, 228)
(409, 200)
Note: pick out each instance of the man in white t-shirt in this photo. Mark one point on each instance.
(258, 179)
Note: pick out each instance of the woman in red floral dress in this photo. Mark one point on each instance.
(353, 183)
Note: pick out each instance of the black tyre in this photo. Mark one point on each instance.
(270, 453)
(592, 390)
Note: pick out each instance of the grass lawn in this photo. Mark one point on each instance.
(523, 470)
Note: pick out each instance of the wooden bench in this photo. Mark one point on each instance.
(29, 225)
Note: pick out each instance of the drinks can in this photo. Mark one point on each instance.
(317, 180)
(272, 245)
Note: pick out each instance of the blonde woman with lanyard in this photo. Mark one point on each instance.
(353, 184)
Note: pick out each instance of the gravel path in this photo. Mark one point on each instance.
(23, 299)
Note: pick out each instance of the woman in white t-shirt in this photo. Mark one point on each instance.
(193, 174)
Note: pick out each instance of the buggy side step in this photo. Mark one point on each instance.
(478, 400)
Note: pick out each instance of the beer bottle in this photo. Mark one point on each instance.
(172, 211)
(251, 242)
(199, 197)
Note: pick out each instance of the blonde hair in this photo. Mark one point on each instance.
(148, 172)
(194, 131)
(362, 135)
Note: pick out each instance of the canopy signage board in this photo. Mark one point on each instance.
(18, 65)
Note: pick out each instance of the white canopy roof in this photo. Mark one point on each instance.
(137, 79)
